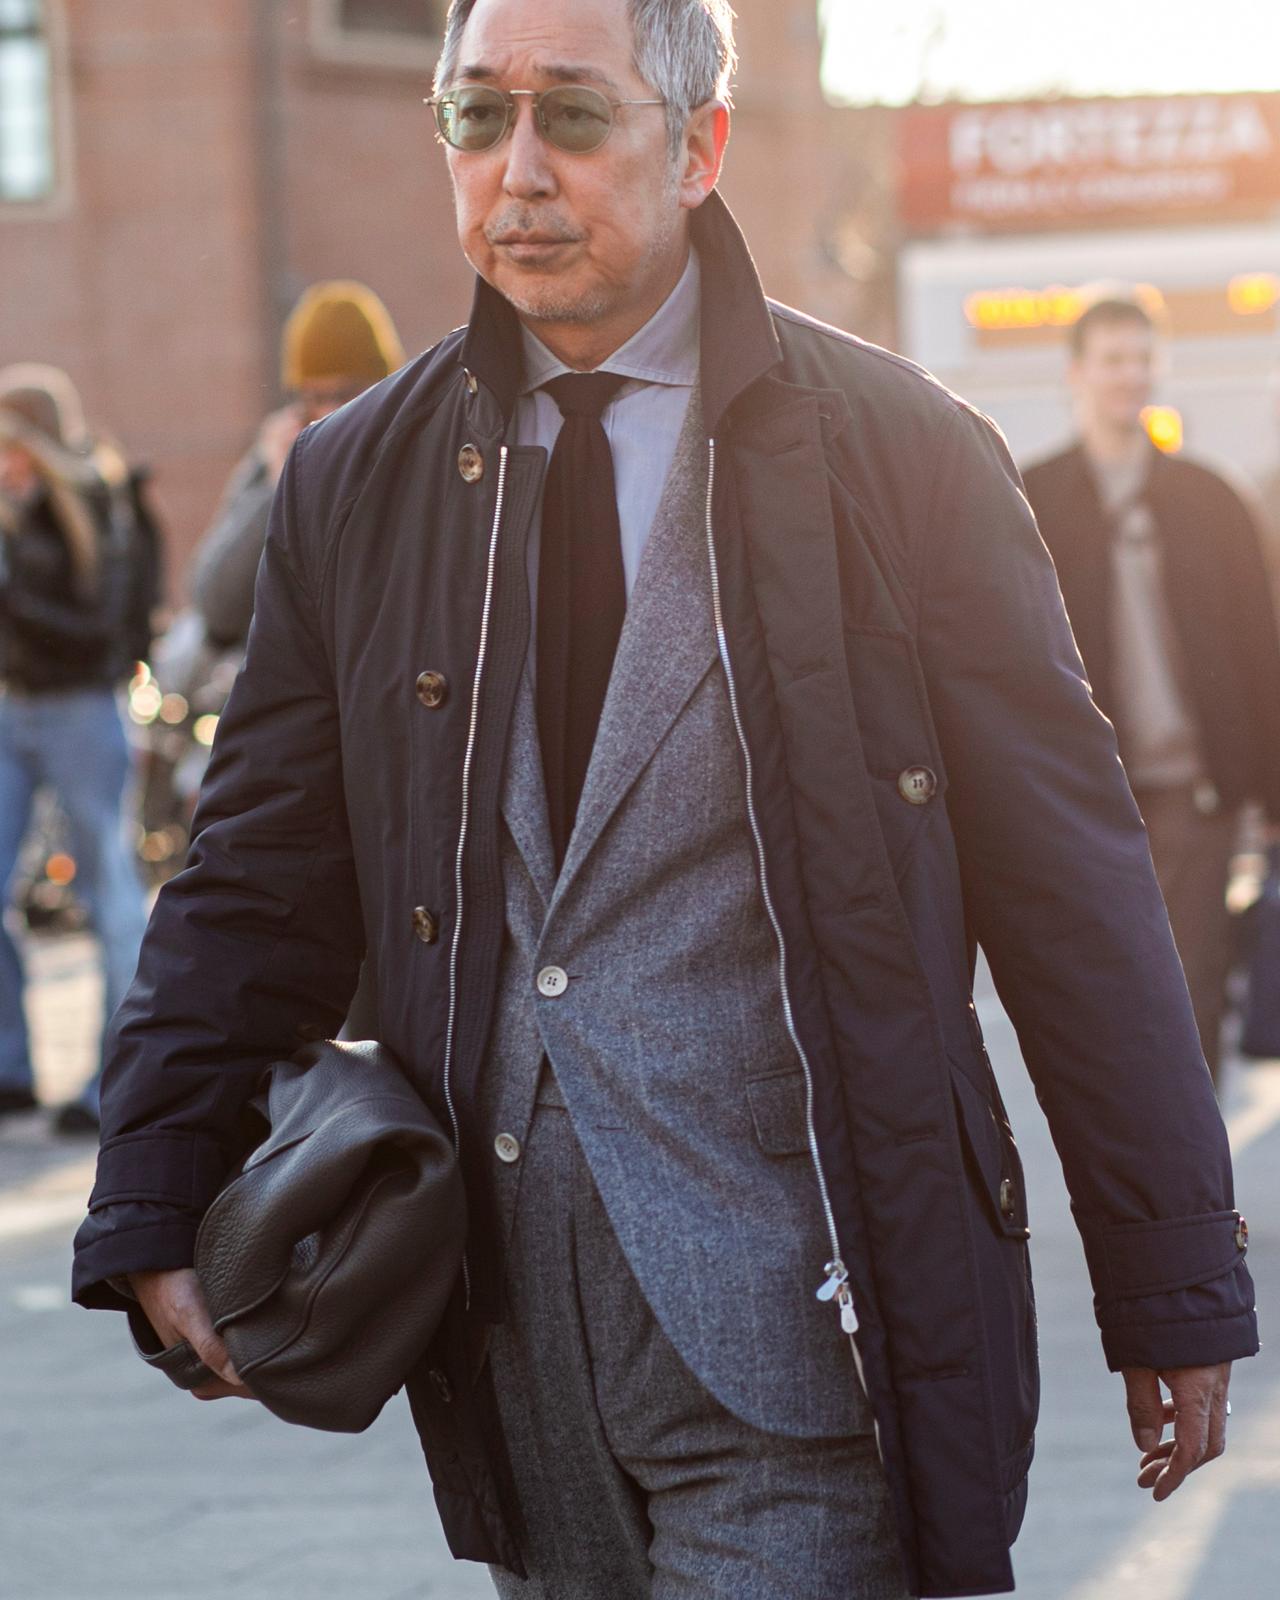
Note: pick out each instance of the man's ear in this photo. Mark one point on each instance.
(702, 153)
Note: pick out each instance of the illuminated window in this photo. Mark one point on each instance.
(26, 102)
(413, 17)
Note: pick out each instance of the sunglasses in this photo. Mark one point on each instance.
(574, 118)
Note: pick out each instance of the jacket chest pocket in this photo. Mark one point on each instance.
(898, 738)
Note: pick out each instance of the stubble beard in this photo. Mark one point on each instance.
(548, 301)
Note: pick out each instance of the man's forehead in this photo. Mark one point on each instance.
(548, 71)
(1119, 338)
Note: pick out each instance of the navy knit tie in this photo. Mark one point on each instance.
(582, 595)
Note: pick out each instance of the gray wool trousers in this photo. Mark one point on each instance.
(633, 1481)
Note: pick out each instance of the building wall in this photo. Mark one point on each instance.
(141, 276)
(221, 157)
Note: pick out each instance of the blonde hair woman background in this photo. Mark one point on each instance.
(68, 579)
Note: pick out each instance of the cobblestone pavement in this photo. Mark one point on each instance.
(112, 1485)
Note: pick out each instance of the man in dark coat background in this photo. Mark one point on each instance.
(747, 1308)
(1163, 573)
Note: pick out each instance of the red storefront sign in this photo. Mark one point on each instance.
(1038, 165)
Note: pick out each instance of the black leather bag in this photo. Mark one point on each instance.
(328, 1257)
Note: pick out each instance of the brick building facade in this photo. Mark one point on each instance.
(171, 177)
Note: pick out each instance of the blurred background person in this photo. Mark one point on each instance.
(78, 578)
(1269, 491)
(338, 340)
(1162, 570)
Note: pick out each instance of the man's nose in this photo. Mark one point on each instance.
(529, 170)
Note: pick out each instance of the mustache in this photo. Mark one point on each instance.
(522, 222)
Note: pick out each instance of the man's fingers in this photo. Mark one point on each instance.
(174, 1305)
(1153, 1464)
(218, 1390)
(1191, 1435)
(216, 1357)
(1217, 1424)
(1197, 1407)
(1147, 1407)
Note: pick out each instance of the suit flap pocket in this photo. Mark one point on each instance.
(779, 1111)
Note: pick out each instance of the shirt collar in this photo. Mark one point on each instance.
(664, 351)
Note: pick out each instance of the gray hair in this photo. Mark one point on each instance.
(684, 48)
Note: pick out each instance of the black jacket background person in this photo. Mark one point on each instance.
(1219, 597)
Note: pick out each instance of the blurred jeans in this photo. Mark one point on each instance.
(74, 743)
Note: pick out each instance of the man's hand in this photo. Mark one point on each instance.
(1197, 1408)
(173, 1303)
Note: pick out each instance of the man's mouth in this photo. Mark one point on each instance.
(532, 244)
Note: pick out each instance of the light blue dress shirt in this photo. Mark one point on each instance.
(642, 422)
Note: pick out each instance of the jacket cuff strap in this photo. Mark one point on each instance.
(1135, 1260)
(170, 1168)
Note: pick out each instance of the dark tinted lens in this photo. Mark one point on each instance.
(575, 119)
(472, 119)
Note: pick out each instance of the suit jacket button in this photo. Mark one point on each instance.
(470, 464)
(426, 924)
(507, 1147)
(433, 689)
(917, 786)
(552, 982)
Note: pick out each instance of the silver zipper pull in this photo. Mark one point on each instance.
(837, 1275)
(848, 1315)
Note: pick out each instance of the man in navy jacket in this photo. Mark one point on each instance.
(873, 710)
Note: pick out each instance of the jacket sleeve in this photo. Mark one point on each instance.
(1061, 894)
(252, 949)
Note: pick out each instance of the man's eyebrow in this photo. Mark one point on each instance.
(570, 72)
(558, 71)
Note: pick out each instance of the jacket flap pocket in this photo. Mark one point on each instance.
(992, 1153)
(779, 1112)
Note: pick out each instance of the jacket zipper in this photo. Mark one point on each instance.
(465, 818)
(835, 1280)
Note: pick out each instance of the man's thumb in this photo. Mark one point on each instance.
(1146, 1407)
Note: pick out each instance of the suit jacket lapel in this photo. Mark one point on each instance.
(524, 794)
(666, 646)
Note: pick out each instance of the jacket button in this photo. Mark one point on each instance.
(1008, 1200)
(426, 924)
(433, 689)
(507, 1147)
(917, 786)
(1242, 1234)
(441, 1384)
(470, 464)
(552, 982)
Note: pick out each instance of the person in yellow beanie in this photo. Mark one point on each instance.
(337, 341)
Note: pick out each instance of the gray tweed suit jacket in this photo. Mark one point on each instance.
(668, 1043)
